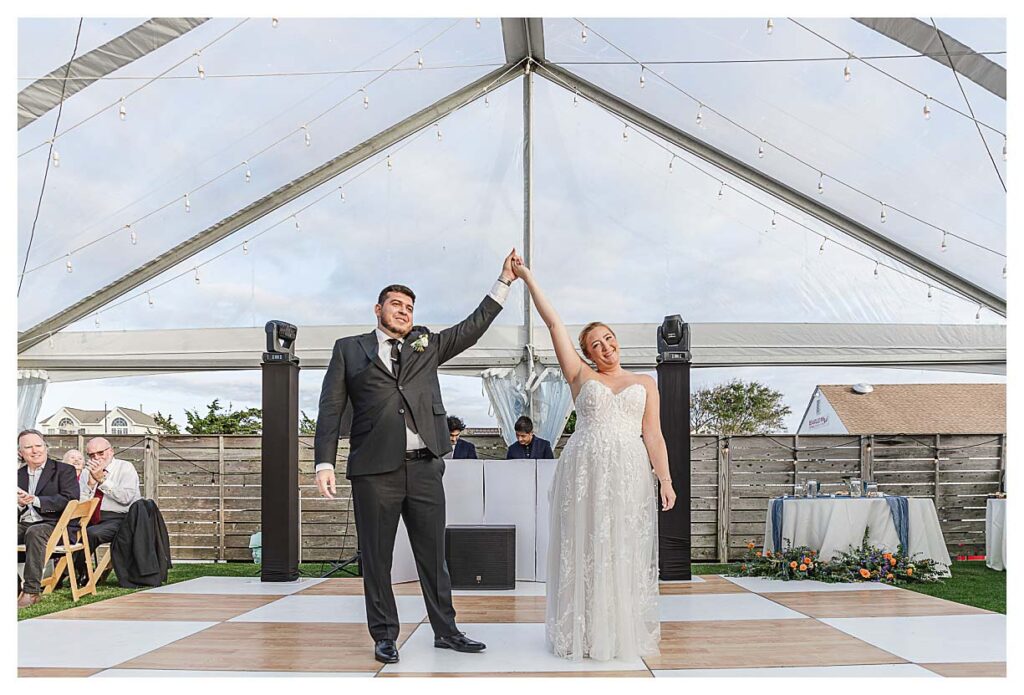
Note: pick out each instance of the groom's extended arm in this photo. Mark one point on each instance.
(333, 396)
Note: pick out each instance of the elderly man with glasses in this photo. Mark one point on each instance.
(113, 480)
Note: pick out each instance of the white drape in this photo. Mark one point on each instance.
(509, 396)
(31, 387)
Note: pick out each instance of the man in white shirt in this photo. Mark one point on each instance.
(116, 482)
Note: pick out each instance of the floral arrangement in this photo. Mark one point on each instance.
(865, 564)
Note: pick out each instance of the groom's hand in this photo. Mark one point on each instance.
(507, 275)
(326, 484)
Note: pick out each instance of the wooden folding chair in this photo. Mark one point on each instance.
(59, 544)
(59, 530)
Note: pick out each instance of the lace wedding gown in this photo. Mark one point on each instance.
(602, 583)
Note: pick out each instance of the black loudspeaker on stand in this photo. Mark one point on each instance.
(674, 541)
(279, 511)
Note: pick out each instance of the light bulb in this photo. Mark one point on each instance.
(477, 22)
(847, 75)
(297, 227)
(342, 194)
(131, 234)
(642, 80)
(55, 157)
(773, 219)
(387, 161)
(876, 270)
(419, 60)
(97, 321)
(487, 101)
(929, 291)
(821, 183)
(248, 171)
(670, 163)
(769, 26)
(439, 134)
(149, 300)
(821, 249)
(122, 111)
(926, 111)
(583, 33)
(68, 266)
(625, 132)
(245, 248)
(760, 148)
(576, 101)
(721, 190)
(306, 136)
(1004, 149)
(273, 22)
(977, 317)
(366, 99)
(882, 215)
(1004, 271)
(188, 204)
(942, 246)
(700, 116)
(196, 278)
(199, 66)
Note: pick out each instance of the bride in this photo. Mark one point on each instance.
(602, 583)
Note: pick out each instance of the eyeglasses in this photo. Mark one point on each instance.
(96, 454)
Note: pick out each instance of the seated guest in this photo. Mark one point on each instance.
(45, 487)
(527, 444)
(461, 449)
(74, 458)
(117, 484)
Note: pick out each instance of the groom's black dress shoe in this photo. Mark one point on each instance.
(459, 642)
(385, 651)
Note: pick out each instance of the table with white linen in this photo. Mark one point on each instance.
(995, 533)
(831, 525)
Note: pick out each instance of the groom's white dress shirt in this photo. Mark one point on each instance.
(413, 441)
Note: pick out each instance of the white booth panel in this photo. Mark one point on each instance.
(464, 491)
(545, 476)
(510, 497)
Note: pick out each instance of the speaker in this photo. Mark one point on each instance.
(481, 557)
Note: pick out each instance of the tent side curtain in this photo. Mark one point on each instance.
(31, 388)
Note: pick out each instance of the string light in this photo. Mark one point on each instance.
(122, 111)
(642, 80)
(273, 22)
(821, 183)
(342, 192)
(149, 300)
(576, 102)
(96, 321)
(821, 249)
(876, 270)
(926, 110)
(977, 317)
(769, 27)
(487, 100)
(419, 60)
(1004, 149)
(700, 115)
(773, 222)
(55, 156)
(583, 33)
(131, 234)
(670, 163)
(387, 161)
(199, 66)
(308, 139)
(68, 266)
(297, 227)
(882, 215)
(929, 292)
(248, 171)
(942, 246)
(196, 278)
(477, 22)
(245, 247)
(439, 134)
(760, 148)
(366, 98)
(625, 132)
(188, 204)
(1004, 271)
(847, 75)
(721, 189)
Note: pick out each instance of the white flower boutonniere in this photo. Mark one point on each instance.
(420, 344)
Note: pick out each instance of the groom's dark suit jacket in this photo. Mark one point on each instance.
(356, 373)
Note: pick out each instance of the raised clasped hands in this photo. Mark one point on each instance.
(508, 272)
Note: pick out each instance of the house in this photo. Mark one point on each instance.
(117, 420)
(906, 409)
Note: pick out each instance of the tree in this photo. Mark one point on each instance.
(220, 421)
(737, 408)
(167, 423)
(307, 425)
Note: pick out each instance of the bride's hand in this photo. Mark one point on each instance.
(520, 269)
(668, 497)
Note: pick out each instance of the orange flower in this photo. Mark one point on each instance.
(750, 545)
(793, 564)
(864, 573)
(768, 553)
(910, 571)
(759, 553)
(889, 576)
(803, 568)
(806, 560)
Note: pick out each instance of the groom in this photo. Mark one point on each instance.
(399, 436)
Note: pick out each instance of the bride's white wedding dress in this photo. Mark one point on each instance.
(602, 583)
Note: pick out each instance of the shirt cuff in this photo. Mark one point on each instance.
(323, 467)
(499, 292)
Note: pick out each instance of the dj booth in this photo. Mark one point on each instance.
(493, 492)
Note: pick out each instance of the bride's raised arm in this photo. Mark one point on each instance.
(568, 359)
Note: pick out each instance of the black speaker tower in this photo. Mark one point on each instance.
(279, 512)
(674, 551)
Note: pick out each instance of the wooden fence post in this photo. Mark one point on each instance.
(151, 468)
(1002, 462)
(221, 549)
(724, 503)
(867, 457)
(938, 455)
(796, 460)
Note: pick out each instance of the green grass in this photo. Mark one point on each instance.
(972, 583)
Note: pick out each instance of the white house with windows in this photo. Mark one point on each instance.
(117, 420)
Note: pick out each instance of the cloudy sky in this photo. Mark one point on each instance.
(619, 235)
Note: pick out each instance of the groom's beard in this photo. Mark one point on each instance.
(393, 328)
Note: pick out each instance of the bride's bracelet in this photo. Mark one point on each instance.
(665, 480)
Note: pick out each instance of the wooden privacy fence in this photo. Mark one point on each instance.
(208, 487)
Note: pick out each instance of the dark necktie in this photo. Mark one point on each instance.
(395, 352)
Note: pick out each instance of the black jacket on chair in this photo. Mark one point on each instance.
(141, 550)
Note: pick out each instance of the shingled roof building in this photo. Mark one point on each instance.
(906, 409)
(94, 422)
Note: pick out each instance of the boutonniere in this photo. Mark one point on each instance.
(420, 344)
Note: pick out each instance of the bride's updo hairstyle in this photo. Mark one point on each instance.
(586, 331)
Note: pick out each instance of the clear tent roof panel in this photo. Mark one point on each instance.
(46, 44)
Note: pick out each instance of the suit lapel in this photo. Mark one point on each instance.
(408, 354)
(369, 344)
(49, 471)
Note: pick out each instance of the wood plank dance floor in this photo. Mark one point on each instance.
(711, 626)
